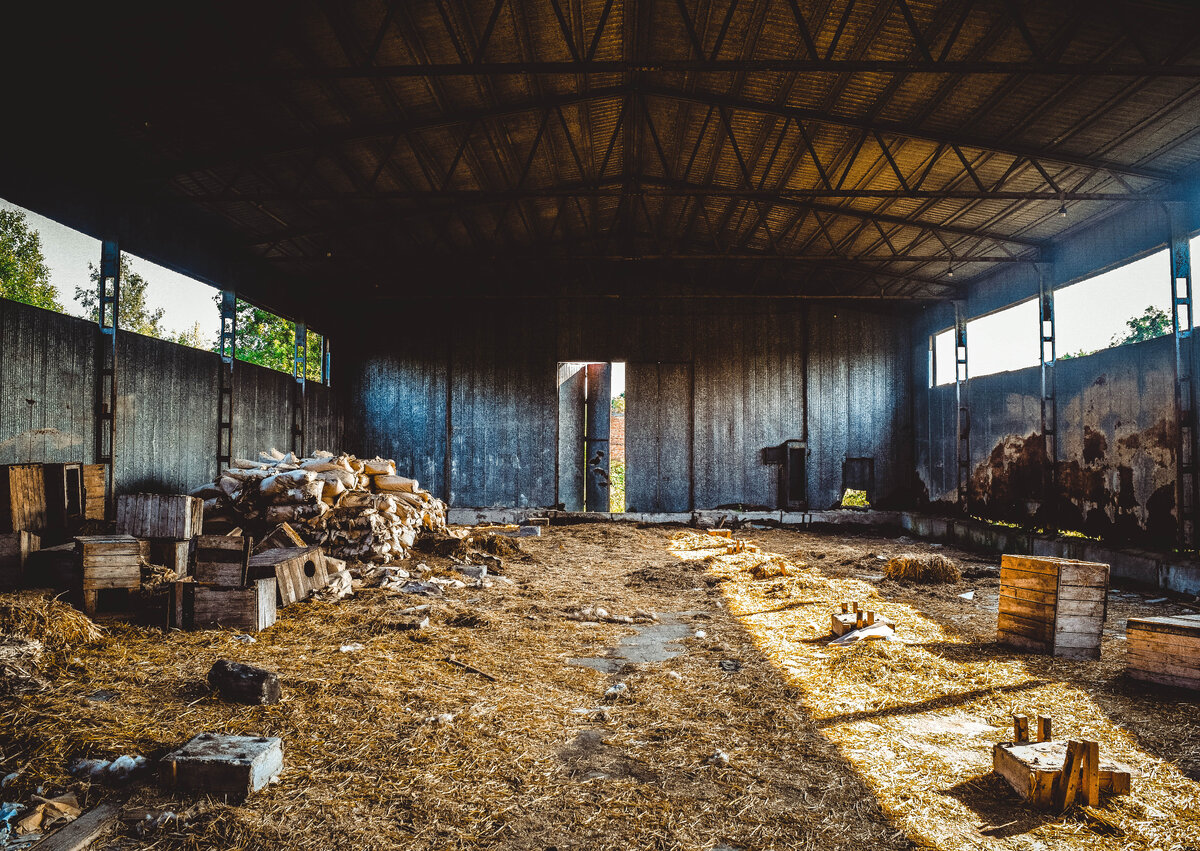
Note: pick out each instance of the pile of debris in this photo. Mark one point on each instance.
(357, 510)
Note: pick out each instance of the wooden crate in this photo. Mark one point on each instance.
(249, 609)
(1164, 650)
(64, 498)
(221, 560)
(15, 548)
(106, 562)
(298, 571)
(156, 515)
(95, 485)
(172, 554)
(1035, 772)
(22, 498)
(1053, 605)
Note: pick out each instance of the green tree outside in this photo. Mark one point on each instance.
(24, 276)
(134, 315)
(1152, 322)
(269, 340)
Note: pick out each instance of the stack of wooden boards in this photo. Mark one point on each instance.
(356, 509)
(1053, 605)
(44, 504)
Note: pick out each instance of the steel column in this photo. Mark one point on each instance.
(326, 360)
(963, 423)
(1048, 355)
(227, 348)
(1182, 321)
(108, 318)
(300, 373)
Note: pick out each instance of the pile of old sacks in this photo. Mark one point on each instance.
(357, 510)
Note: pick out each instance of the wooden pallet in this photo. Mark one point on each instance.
(156, 515)
(1164, 650)
(22, 498)
(95, 484)
(64, 498)
(1053, 605)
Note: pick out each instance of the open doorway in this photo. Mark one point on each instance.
(591, 463)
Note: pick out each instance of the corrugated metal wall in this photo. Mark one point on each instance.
(748, 357)
(167, 406)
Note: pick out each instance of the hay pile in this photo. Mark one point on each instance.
(924, 568)
(46, 620)
(358, 510)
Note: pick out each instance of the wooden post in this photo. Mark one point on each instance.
(1020, 729)
(1043, 728)
(870, 618)
(1090, 788)
(845, 608)
(858, 620)
(1073, 766)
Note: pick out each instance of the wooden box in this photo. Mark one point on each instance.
(95, 487)
(221, 560)
(64, 498)
(22, 498)
(249, 609)
(156, 515)
(1164, 650)
(15, 548)
(1053, 605)
(298, 571)
(217, 764)
(172, 554)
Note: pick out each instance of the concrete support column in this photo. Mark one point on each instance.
(1187, 488)
(227, 348)
(963, 421)
(108, 318)
(1048, 356)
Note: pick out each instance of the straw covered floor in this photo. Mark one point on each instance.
(756, 735)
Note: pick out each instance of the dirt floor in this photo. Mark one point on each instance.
(757, 735)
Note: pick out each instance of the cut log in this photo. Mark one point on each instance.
(240, 683)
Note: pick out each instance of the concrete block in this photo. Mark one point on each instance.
(224, 765)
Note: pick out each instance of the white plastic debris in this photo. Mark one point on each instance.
(675, 675)
(701, 634)
(353, 647)
(244, 639)
(875, 632)
(120, 769)
(718, 758)
(970, 595)
(442, 720)
(616, 691)
(601, 613)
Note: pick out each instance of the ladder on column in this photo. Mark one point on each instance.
(228, 350)
(1049, 399)
(963, 422)
(106, 363)
(300, 373)
(1182, 320)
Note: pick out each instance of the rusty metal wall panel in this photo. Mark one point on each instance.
(1117, 442)
(658, 436)
(262, 410)
(166, 416)
(571, 393)
(47, 384)
(1007, 460)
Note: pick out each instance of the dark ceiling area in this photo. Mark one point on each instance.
(516, 148)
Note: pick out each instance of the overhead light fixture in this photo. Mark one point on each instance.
(1062, 210)
(949, 271)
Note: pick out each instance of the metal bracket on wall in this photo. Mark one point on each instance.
(300, 373)
(227, 348)
(108, 317)
(1045, 273)
(963, 422)
(1182, 322)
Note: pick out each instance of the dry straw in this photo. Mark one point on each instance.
(927, 568)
